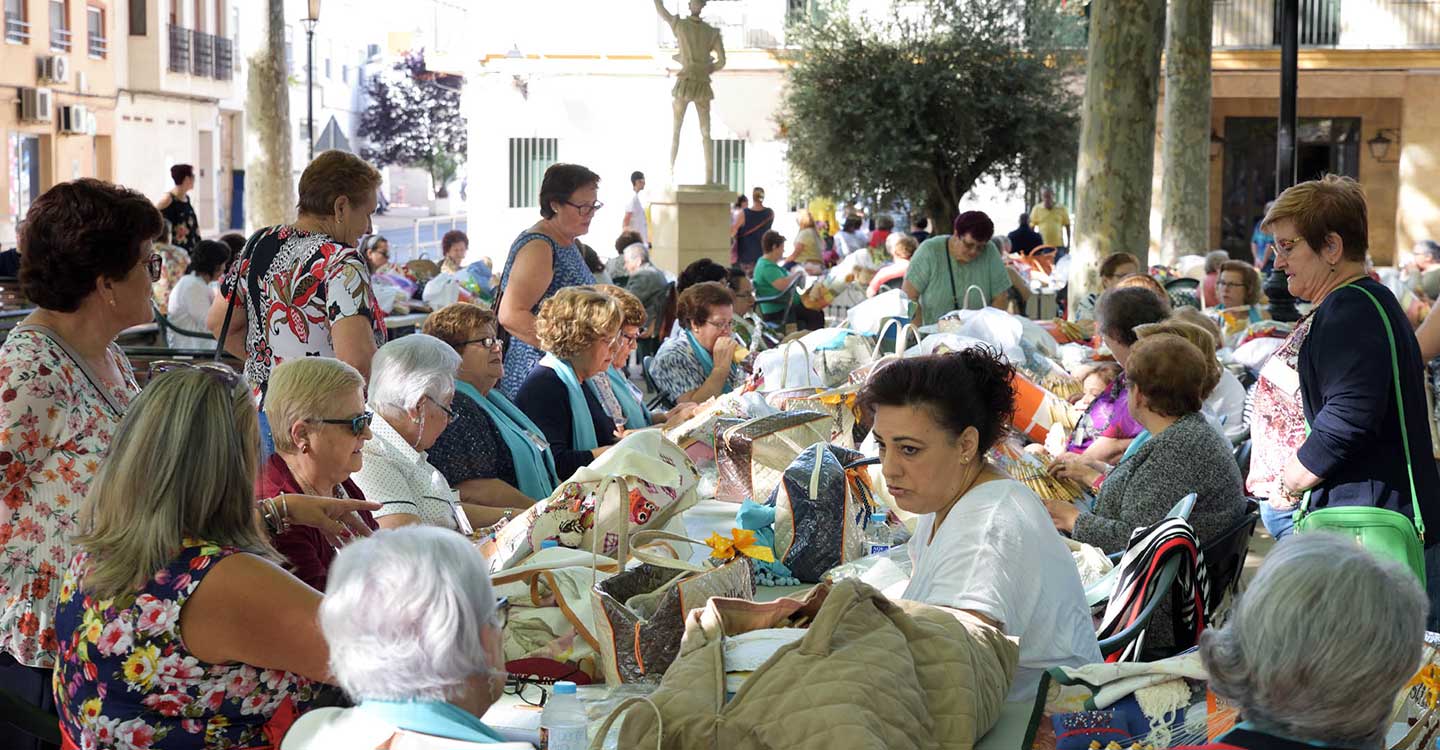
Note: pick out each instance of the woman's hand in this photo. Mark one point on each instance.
(1060, 462)
(1294, 481)
(1063, 514)
(335, 518)
(1080, 471)
(680, 413)
(723, 354)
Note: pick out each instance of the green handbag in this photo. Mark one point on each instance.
(1385, 533)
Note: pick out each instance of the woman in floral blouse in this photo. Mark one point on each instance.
(64, 385)
(171, 524)
(303, 289)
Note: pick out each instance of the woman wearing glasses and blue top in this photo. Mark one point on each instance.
(492, 454)
(543, 260)
(579, 329)
(700, 364)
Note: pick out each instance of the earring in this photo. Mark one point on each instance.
(112, 301)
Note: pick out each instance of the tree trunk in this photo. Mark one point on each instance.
(1185, 154)
(269, 190)
(1117, 137)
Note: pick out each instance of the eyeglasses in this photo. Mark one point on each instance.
(502, 611)
(1231, 284)
(357, 424)
(724, 325)
(449, 413)
(586, 209)
(534, 690)
(155, 265)
(221, 374)
(630, 338)
(1285, 247)
(489, 342)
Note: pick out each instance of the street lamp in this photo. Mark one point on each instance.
(312, 17)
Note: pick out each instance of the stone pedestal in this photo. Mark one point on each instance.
(690, 222)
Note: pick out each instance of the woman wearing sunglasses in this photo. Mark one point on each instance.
(317, 406)
(543, 260)
(492, 454)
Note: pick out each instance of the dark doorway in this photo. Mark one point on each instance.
(1326, 145)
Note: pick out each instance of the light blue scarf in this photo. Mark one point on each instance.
(637, 417)
(431, 717)
(707, 362)
(582, 426)
(534, 466)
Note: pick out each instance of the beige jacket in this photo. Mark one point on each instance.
(869, 673)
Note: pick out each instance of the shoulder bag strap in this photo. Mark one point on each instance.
(239, 279)
(1400, 408)
(950, 269)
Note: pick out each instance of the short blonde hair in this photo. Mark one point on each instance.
(1319, 207)
(631, 309)
(455, 324)
(1197, 335)
(299, 391)
(183, 464)
(575, 318)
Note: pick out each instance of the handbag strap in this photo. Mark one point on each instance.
(1417, 519)
(641, 538)
(598, 741)
(950, 269)
(230, 303)
(974, 288)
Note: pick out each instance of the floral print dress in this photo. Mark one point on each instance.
(125, 679)
(298, 285)
(57, 421)
(569, 269)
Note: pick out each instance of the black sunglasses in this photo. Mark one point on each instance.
(357, 423)
(222, 374)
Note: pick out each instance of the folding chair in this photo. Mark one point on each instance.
(659, 401)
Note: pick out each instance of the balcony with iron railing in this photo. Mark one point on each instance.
(202, 61)
(60, 39)
(1332, 24)
(16, 29)
(179, 59)
(224, 58)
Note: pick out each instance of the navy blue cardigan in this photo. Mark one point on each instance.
(546, 402)
(1348, 389)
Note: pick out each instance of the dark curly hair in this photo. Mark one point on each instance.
(700, 271)
(968, 388)
(78, 232)
(560, 182)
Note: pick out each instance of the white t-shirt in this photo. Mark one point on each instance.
(1227, 405)
(998, 554)
(637, 218)
(189, 302)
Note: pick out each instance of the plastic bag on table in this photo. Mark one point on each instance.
(885, 571)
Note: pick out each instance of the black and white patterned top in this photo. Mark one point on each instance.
(471, 447)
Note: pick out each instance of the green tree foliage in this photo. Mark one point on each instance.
(920, 106)
(414, 120)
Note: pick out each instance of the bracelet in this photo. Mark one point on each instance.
(269, 514)
(1099, 480)
(284, 514)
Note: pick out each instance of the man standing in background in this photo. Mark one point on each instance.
(635, 212)
(1051, 220)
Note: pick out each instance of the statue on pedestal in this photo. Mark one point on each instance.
(702, 52)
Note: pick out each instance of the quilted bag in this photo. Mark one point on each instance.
(552, 617)
(864, 673)
(841, 404)
(752, 454)
(821, 511)
(835, 353)
(640, 613)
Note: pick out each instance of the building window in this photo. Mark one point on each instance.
(289, 50)
(60, 25)
(138, 17)
(529, 158)
(24, 173)
(17, 22)
(96, 43)
(304, 130)
(729, 164)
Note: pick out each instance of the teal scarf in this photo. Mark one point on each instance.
(707, 362)
(582, 427)
(534, 466)
(637, 417)
(435, 718)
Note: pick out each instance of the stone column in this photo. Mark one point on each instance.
(1185, 152)
(1117, 137)
(269, 189)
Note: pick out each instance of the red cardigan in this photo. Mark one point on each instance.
(305, 549)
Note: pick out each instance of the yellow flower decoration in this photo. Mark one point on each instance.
(140, 666)
(741, 542)
(90, 709)
(93, 626)
(1429, 677)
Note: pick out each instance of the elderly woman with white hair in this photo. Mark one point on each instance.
(1301, 667)
(412, 386)
(422, 667)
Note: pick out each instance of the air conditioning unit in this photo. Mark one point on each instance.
(36, 105)
(74, 118)
(55, 68)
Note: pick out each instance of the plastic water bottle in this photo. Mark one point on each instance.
(877, 537)
(563, 725)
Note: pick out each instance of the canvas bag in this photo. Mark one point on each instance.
(842, 405)
(821, 511)
(637, 643)
(945, 675)
(870, 316)
(1384, 532)
(552, 615)
(752, 454)
(787, 367)
(835, 353)
(641, 482)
